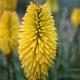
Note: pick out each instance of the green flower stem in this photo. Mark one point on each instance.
(75, 43)
(10, 68)
(76, 35)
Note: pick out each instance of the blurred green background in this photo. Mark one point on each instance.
(67, 62)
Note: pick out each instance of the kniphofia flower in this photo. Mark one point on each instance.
(53, 4)
(9, 24)
(75, 17)
(8, 4)
(37, 41)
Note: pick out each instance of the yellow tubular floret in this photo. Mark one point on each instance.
(37, 41)
(9, 24)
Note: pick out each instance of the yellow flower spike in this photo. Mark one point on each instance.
(9, 23)
(37, 41)
(8, 4)
(75, 17)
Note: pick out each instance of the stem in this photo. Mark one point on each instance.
(37, 2)
(75, 42)
(76, 35)
(13, 68)
(8, 68)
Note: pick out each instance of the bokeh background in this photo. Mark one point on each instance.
(67, 62)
